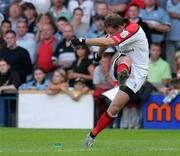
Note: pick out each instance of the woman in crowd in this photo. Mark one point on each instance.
(39, 82)
(82, 67)
(59, 84)
(9, 80)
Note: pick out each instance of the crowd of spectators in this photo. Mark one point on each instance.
(36, 51)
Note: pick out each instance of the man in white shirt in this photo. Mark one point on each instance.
(26, 40)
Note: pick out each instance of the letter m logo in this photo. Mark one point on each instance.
(154, 107)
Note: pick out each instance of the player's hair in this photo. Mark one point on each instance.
(113, 20)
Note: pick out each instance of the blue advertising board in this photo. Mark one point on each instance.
(157, 115)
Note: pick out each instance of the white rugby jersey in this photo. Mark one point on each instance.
(132, 42)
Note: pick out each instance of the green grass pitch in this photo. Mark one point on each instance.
(111, 142)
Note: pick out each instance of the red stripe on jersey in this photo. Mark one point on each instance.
(126, 33)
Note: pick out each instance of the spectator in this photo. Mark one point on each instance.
(16, 56)
(46, 48)
(59, 84)
(86, 5)
(4, 4)
(101, 9)
(9, 80)
(64, 54)
(173, 38)
(102, 80)
(162, 3)
(80, 88)
(140, 3)
(157, 19)
(61, 24)
(5, 27)
(15, 14)
(177, 64)
(159, 71)
(80, 28)
(82, 67)
(116, 6)
(2, 43)
(133, 15)
(58, 10)
(26, 40)
(29, 11)
(39, 82)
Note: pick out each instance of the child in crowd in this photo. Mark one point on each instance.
(38, 83)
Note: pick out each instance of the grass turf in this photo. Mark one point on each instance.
(38, 142)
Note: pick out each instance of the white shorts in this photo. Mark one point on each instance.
(136, 78)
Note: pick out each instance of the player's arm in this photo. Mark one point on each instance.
(103, 41)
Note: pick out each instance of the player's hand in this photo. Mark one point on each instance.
(96, 57)
(78, 42)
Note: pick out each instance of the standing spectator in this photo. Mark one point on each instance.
(39, 82)
(173, 39)
(61, 24)
(16, 56)
(15, 13)
(159, 71)
(26, 40)
(43, 19)
(5, 27)
(133, 15)
(80, 28)
(102, 80)
(29, 11)
(58, 10)
(86, 5)
(64, 54)
(9, 80)
(157, 19)
(82, 67)
(46, 48)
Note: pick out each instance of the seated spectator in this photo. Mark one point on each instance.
(46, 48)
(80, 87)
(29, 11)
(17, 57)
(173, 37)
(82, 67)
(59, 10)
(80, 28)
(15, 14)
(9, 80)
(86, 5)
(102, 80)
(59, 84)
(157, 20)
(26, 40)
(5, 27)
(159, 70)
(2, 42)
(38, 83)
(64, 54)
(133, 16)
(61, 24)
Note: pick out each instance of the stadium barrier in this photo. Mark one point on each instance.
(38, 110)
(158, 115)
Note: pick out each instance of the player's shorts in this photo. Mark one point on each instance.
(136, 78)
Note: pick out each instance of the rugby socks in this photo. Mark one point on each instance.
(122, 67)
(105, 120)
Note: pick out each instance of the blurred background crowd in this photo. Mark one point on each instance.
(36, 51)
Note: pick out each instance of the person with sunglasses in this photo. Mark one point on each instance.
(82, 67)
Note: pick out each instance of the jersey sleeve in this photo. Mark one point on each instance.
(126, 34)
